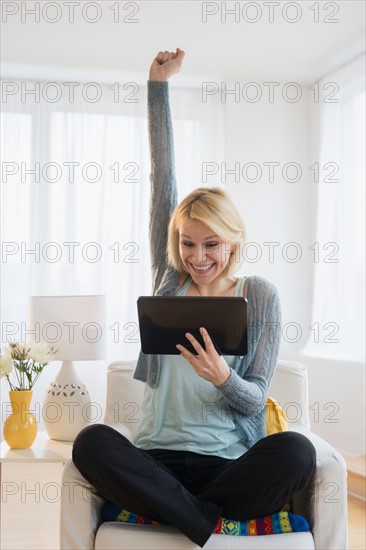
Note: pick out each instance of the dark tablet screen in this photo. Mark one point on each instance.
(164, 320)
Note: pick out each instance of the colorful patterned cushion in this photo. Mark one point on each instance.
(274, 524)
(281, 522)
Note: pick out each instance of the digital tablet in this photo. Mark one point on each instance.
(164, 320)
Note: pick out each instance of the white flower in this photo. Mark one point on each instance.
(18, 350)
(6, 363)
(25, 362)
(40, 352)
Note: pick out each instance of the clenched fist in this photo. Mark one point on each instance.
(166, 64)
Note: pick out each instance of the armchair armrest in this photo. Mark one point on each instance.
(80, 508)
(324, 502)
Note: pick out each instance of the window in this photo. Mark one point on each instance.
(76, 200)
(338, 322)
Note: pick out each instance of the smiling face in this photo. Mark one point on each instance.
(206, 237)
(204, 254)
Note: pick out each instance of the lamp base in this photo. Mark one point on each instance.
(65, 405)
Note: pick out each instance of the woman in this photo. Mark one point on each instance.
(201, 453)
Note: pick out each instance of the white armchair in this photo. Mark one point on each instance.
(323, 504)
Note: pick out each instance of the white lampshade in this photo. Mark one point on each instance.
(75, 325)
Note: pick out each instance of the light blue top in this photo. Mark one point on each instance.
(187, 413)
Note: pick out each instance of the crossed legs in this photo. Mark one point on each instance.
(192, 491)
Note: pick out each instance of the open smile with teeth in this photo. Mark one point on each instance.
(202, 268)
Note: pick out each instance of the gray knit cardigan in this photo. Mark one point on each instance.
(246, 389)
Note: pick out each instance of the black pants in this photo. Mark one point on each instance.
(189, 490)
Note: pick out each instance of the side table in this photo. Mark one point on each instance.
(43, 449)
(31, 493)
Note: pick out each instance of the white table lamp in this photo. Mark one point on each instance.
(75, 326)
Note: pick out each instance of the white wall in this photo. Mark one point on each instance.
(337, 401)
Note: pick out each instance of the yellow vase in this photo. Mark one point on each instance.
(20, 428)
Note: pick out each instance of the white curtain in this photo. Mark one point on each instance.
(338, 318)
(79, 224)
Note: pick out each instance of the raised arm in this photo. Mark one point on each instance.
(163, 198)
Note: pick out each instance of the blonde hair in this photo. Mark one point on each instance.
(213, 207)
